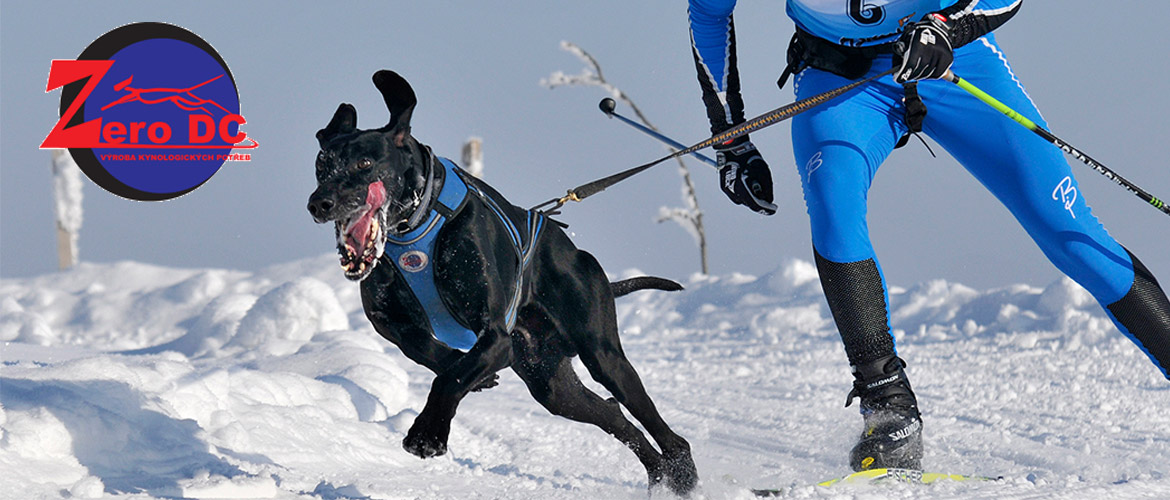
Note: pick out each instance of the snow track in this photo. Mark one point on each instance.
(135, 381)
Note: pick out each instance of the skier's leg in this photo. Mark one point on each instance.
(839, 148)
(1035, 182)
(1143, 314)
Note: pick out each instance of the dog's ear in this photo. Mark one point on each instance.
(400, 100)
(344, 121)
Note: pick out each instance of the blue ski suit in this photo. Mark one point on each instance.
(839, 147)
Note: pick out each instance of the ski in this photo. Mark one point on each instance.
(882, 476)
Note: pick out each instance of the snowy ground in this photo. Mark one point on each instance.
(136, 381)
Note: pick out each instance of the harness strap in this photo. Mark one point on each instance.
(915, 113)
(523, 243)
(796, 62)
(411, 254)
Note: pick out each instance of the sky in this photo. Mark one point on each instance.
(1094, 68)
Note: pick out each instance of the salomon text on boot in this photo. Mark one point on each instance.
(892, 437)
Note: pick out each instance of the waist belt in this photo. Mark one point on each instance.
(809, 51)
(806, 50)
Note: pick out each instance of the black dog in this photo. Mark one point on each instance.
(506, 287)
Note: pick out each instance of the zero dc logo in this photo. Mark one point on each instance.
(149, 111)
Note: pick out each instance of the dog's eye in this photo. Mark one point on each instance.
(365, 163)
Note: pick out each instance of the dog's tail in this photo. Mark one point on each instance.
(624, 287)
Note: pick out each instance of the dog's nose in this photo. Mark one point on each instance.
(319, 208)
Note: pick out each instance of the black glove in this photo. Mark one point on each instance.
(744, 177)
(924, 50)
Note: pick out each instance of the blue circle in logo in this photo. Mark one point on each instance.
(147, 101)
(168, 109)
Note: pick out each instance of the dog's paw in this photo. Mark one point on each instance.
(487, 383)
(681, 474)
(424, 446)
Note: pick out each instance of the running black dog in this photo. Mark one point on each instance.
(466, 284)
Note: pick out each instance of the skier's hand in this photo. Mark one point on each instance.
(924, 50)
(744, 177)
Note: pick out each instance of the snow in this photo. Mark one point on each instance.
(128, 380)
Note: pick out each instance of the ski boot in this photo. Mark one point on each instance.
(892, 437)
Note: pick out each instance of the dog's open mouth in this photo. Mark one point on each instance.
(361, 239)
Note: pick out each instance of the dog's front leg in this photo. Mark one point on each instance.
(428, 436)
(417, 344)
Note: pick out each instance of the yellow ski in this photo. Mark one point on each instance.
(881, 476)
(874, 476)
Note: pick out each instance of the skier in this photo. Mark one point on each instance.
(839, 147)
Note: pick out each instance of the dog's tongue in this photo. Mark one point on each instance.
(375, 197)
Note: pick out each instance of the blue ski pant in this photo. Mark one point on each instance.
(840, 145)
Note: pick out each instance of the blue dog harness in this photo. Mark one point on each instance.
(412, 252)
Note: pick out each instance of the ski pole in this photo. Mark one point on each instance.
(608, 106)
(1056, 141)
(770, 118)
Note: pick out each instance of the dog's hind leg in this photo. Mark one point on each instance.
(596, 341)
(608, 365)
(576, 301)
(556, 386)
